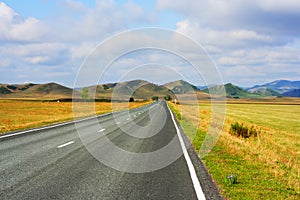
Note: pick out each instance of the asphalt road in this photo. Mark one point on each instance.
(56, 163)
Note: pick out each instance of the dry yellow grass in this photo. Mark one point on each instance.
(21, 114)
(277, 147)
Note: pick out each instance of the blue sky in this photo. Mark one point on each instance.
(251, 42)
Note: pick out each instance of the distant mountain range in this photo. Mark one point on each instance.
(276, 88)
(292, 93)
(279, 86)
(140, 89)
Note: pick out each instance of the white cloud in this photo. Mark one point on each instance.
(82, 50)
(60, 44)
(260, 37)
(249, 35)
(261, 56)
(249, 40)
(135, 11)
(263, 16)
(222, 38)
(36, 56)
(228, 7)
(281, 6)
(23, 50)
(252, 66)
(75, 5)
(95, 24)
(15, 28)
(37, 59)
(5, 62)
(77, 22)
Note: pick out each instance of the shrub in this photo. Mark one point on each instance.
(131, 99)
(155, 98)
(231, 179)
(85, 94)
(105, 87)
(168, 97)
(240, 130)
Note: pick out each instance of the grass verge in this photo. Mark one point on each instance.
(267, 167)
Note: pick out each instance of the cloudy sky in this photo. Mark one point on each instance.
(250, 41)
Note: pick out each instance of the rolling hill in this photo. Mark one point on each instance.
(41, 91)
(186, 91)
(102, 91)
(126, 89)
(233, 91)
(14, 88)
(122, 90)
(181, 87)
(150, 90)
(4, 90)
(140, 89)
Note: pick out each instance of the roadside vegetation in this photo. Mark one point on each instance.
(24, 114)
(240, 130)
(267, 163)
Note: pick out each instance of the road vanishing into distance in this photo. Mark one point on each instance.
(61, 161)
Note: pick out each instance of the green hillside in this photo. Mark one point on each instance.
(233, 91)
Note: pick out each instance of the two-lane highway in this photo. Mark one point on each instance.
(56, 162)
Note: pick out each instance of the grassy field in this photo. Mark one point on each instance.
(268, 166)
(21, 114)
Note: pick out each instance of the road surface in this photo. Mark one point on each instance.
(53, 162)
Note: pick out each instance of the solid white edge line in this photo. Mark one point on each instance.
(66, 144)
(195, 180)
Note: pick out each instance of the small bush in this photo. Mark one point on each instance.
(131, 99)
(168, 97)
(240, 130)
(155, 98)
(231, 179)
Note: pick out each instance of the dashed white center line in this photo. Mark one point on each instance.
(66, 144)
(118, 122)
(101, 130)
(128, 119)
